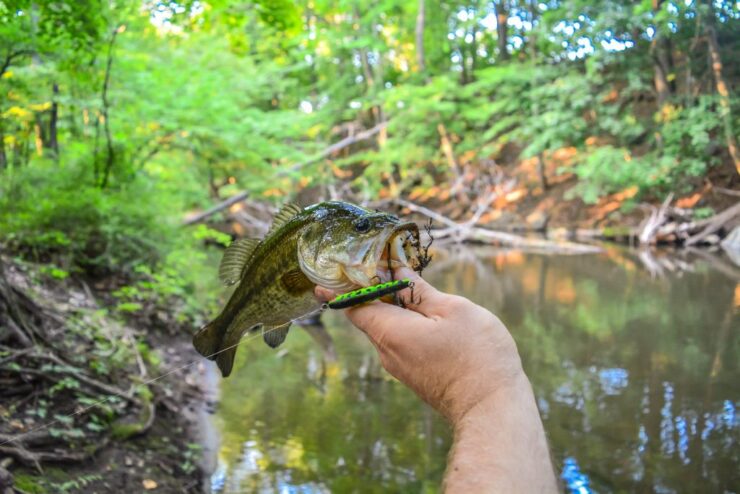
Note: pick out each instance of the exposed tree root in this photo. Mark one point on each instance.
(34, 367)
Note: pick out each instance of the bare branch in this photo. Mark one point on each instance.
(338, 146)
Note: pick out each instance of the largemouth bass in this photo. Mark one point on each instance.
(337, 245)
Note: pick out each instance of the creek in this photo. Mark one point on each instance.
(635, 373)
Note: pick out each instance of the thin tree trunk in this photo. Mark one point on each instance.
(40, 135)
(541, 170)
(463, 63)
(18, 153)
(473, 48)
(724, 95)
(366, 70)
(502, 32)
(53, 141)
(661, 62)
(421, 62)
(660, 74)
(3, 156)
(110, 159)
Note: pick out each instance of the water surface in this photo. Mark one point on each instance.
(635, 372)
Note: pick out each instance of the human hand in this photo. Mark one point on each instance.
(453, 353)
(459, 358)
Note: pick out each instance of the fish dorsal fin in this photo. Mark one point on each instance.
(235, 259)
(286, 213)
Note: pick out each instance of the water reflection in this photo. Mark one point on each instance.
(574, 479)
(635, 375)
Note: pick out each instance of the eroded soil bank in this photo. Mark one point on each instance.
(83, 406)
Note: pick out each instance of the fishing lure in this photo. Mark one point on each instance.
(369, 293)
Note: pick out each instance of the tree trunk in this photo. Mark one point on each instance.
(3, 156)
(662, 62)
(474, 48)
(502, 16)
(53, 142)
(40, 135)
(110, 158)
(660, 73)
(541, 170)
(420, 37)
(724, 95)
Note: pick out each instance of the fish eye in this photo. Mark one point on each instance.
(362, 225)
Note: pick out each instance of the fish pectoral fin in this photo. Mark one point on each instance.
(235, 260)
(275, 336)
(296, 282)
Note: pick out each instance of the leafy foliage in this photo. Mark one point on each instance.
(117, 117)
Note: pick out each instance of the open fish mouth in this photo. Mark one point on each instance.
(399, 249)
(395, 247)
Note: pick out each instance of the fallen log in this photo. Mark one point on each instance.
(714, 223)
(468, 231)
(656, 219)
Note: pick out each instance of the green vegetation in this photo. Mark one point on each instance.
(117, 119)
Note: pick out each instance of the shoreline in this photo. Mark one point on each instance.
(151, 441)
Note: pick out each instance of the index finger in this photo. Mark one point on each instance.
(383, 322)
(422, 297)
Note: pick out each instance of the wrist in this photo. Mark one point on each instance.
(504, 394)
(500, 445)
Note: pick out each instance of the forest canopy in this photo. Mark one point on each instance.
(117, 117)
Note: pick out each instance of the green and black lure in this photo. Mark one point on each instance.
(369, 294)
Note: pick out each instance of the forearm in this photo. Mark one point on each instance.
(500, 446)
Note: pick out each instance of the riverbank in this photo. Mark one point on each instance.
(503, 201)
(83, 409)
(525, 196)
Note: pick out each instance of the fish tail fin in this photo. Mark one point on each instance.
(213, 342)
(208, 338)
(225, 360)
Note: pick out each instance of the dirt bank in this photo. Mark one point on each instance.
(82, 409)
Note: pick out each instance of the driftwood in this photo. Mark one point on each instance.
(714, 223)
(673, 225)
(655, 220)
(338, 146)
(469, 231)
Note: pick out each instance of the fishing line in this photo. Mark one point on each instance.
(153, 380)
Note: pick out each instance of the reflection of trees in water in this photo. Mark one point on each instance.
(634, 375)
(348, 428)
(629, 365)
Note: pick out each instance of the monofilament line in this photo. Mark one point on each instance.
(153, 380)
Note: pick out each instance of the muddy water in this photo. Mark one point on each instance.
(636, 376)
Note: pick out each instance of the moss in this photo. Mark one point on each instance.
(29, 484)
(616, 231)
(125, 429)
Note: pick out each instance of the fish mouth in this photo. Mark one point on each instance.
(396, 248)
